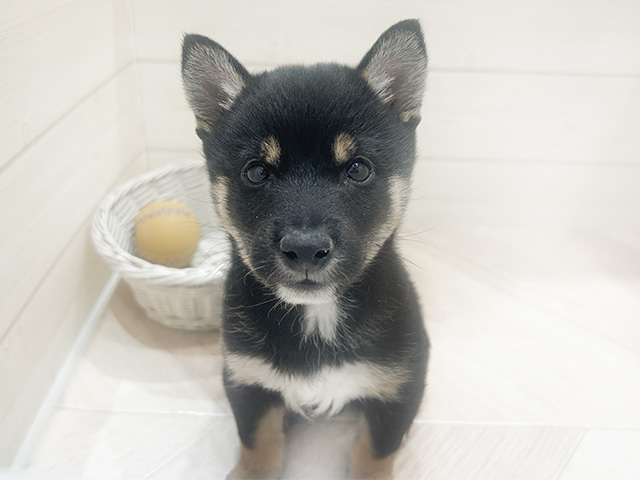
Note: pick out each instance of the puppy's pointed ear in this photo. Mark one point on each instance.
(212, 80)
(396, 69)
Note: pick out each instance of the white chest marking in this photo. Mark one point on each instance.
(321, 318)
(325, 392)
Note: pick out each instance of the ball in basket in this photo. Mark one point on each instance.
(167, 233)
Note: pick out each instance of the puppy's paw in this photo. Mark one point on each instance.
(247, 472)
(264, 463)
(374, 470)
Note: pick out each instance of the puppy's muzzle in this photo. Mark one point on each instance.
(306, 251)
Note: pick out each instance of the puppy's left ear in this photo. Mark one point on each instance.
(396, 69)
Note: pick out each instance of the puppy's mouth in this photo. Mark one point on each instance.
(306, 292)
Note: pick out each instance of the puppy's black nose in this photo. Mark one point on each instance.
(306, 249)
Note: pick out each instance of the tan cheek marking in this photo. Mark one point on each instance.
(265, 459)
(270, 151)
(202, 125)
(344, 147)
(219, 192)
(363, 463)
(399, 197)
(410, 114)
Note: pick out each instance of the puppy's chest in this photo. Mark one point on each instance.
(310, 380)
(325, 391)
(321, 320)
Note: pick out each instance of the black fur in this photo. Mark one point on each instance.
(382, 320)
(305, 109)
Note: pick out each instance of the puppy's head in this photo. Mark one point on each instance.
(309, 166)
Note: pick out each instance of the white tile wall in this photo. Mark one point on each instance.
(566, 36)
(54, 54)
(71, 129)
(532, 115)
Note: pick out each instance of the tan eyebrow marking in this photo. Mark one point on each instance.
(344, 146)
(270, 151)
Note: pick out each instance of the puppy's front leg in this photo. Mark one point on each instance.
(259, 416)
(364, 461)
(380, 435)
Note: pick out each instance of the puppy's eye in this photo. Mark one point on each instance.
(359, 170)
(256, 173)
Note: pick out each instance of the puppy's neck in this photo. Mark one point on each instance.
(321, 320)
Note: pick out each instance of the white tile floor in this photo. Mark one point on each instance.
(535, 374)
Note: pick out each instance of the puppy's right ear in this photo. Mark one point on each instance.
(212, 80)
(396, 69)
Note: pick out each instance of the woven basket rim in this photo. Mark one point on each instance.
(132, 267)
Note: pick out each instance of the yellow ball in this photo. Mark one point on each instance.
(167, 233)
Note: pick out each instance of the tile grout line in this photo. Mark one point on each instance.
(47, 406)
(145, 412)
(199, 381)
(87, 221)
(498, 283)
(184, 366)
(443, 69)
(63, 116)
(534, 73)
(174, 150)
(178, 453)
(136, 68)
(438, 159)
(525, 425)
(501, 284)
(573, 453)
(521, 161)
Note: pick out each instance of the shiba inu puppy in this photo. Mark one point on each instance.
(310, 170)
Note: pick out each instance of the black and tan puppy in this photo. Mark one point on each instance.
(310, 170)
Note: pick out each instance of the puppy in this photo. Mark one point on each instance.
(310, 170)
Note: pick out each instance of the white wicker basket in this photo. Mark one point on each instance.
(189, 298)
